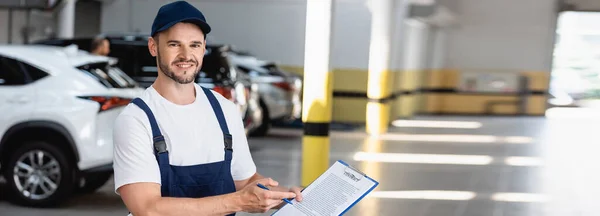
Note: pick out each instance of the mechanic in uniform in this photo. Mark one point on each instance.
(180, 149)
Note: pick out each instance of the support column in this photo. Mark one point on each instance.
(418, 60)
(10, 25)
(66, 20)
(317, 90)
(380, 75)
(438, 48)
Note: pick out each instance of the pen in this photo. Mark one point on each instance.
(263, 187)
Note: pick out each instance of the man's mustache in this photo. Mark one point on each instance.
(186, 61)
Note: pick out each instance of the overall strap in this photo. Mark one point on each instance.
(228, 140)
(160, 146)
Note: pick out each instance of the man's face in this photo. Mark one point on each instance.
(105, 47)
(179, 51)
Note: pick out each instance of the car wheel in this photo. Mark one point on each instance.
(38, 174)
(263, 129)
(92, 182)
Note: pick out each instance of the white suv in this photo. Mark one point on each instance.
(57, 108)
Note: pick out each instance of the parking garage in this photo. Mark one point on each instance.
(455, 107)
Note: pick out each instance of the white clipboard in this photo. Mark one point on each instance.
(333, 193)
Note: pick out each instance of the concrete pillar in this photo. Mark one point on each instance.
(317, 90)
(438, 48)
(380, 76)
(66, 19)
(415, 63)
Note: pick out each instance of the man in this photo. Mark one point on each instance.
(181, 149)
(100, 46)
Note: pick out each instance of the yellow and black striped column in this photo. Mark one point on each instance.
(380, 75)
(317, 90)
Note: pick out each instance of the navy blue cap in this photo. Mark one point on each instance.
(176, 12)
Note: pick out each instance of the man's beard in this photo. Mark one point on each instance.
(179, 79)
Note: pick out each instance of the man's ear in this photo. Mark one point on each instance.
(152, 46)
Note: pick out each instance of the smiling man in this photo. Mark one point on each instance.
(180, 149)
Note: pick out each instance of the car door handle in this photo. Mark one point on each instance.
(18, 100)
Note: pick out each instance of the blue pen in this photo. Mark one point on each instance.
(263, 187)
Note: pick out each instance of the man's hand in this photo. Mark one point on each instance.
(295, 190)
(254, 199)
(298, 192)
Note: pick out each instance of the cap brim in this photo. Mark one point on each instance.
(203, 25)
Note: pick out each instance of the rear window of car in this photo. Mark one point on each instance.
(109, 76)
(215, 67)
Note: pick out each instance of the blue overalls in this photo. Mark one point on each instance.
(193, 181)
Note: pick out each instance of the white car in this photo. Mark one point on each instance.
(280, 93)
(57, 110)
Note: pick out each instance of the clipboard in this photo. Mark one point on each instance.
(376, 183)
(349, 173)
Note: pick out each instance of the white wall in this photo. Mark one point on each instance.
(116, 16)
(39, 21)
(271, 29)
(3, 26)
(87, 23)
(512, 35)
(87, 18)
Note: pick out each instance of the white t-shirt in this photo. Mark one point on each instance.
(192, 134)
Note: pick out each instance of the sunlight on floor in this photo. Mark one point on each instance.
(445, 159)
(424, 195)
(523, 161)
(573, 113)
(456, 138)
(459, 196)
(423, 158)
(436, 124)
(519, 197)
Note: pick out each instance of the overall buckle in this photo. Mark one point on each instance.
(160, 145)
(228, 142)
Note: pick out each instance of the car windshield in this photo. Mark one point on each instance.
(111, 77)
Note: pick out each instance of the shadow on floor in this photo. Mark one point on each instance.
(93, 201)
(334, 126)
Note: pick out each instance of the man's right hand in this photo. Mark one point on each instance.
(254, 199)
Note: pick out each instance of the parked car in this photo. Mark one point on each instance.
(280, 92)
(58, 106)
(220, 74)
(217, 72)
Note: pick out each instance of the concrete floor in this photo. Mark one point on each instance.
(507, 166)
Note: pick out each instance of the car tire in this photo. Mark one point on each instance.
(264, 127)
(35, 185)
(93, 181)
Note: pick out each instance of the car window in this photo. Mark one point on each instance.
(34, 72)
(215, 68)
(146, 62)
(126, 56)
(11, 72)
(119, 73)
(105, 75)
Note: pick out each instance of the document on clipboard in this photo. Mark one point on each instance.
(331, 194)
